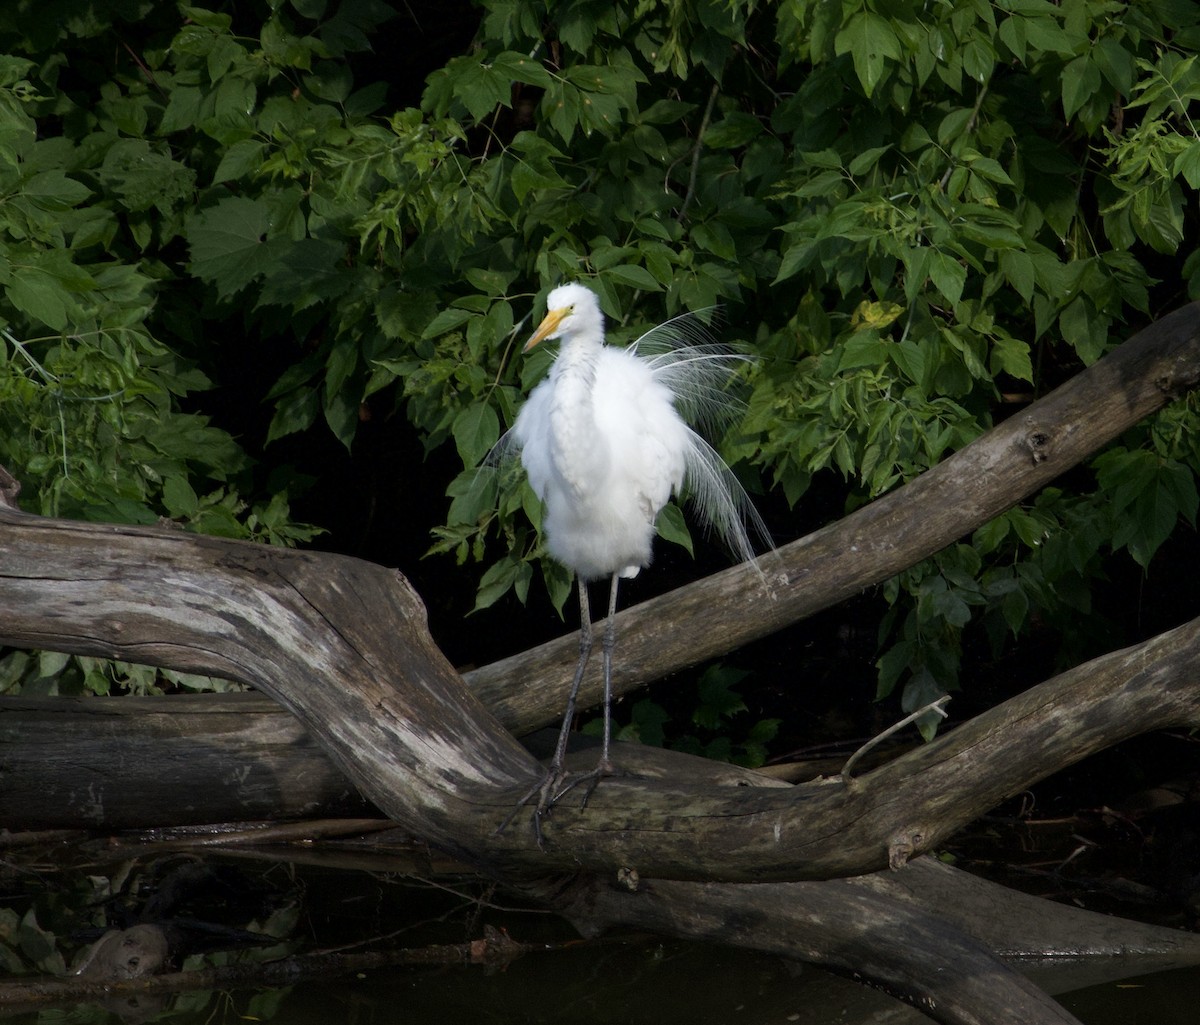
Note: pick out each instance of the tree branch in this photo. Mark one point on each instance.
(996, 471)
(344, 646)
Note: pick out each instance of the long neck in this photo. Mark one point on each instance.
(573, 412)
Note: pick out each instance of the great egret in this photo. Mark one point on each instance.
(605, 444)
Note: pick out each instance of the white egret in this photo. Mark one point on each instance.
(605, 444)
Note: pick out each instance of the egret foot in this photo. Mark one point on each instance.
(603, 770)
(546, 796)
(552, 790)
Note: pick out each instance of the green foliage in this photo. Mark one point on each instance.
(916, 215)
(711, 730)
(100, 372)
(52, 673)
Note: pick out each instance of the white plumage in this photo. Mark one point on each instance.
(605, 445)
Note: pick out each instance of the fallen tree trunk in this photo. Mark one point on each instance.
(935, 936)
(431, 757)
(343, 646)
(912, 953)
(412, 739)
(124, 763)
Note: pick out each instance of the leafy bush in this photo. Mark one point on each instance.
(710, 730)
(919, 216)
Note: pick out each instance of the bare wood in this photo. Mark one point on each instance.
(120, 763)
(941, 970)
(10, 488)
(863, 925)
(325, 636)
(907, 806)
(343, 645)
(971, 487)
(340, 643)
(139, 763)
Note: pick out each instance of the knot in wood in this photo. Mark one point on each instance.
(1038, 443)
(903, 847)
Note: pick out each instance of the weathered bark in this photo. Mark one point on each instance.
(432, 758)
(121, 763)
(128, 763)
(1047, 939)
(291, 622)
(937, 937)
(916, 955)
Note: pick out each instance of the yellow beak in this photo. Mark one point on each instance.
(547, 327)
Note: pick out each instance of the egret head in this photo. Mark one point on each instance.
(570, 310)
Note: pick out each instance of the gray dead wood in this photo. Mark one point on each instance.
(128, 763)
(913, 954)
(343, 645)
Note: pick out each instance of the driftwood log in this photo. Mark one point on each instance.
(343, 646)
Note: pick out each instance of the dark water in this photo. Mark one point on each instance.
(636, 982)
(637, 979)
(560, 979)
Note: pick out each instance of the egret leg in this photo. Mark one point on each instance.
(548, 790)
(585, 653)
(606, 651)
(604, 767)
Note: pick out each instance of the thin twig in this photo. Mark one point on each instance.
(696, 151)
(938, 706)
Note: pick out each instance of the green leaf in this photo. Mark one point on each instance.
(635, 276)
(923, 689)
(499, 579)
(53, 190)
(1018, 268)
(1080, 82)
(293, 413)
(1011, 356)
(867, 159)
(671, 526)
(649, 717)
(242, 159)
(209, 19)
(864, 349)
(476, 429)
(520, 68)
(913, 358)
(948, 275)
(228, 243)
(180, 498)
(446, 320)
(733, 131)
(1082, 330)
(1116, 64)
(1187, 163)
(871, 42)
(41, 296)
